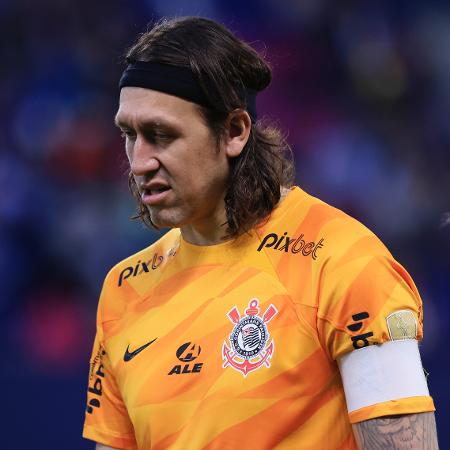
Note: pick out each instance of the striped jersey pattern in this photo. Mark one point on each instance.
(235, 345)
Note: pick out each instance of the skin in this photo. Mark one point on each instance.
(412, 432)
(167, 139)
(406, 432)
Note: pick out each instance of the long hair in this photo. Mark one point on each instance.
(224, 66)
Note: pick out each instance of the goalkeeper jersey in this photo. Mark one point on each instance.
(235, 345)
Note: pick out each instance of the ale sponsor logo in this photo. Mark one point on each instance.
(285, 243)
(187, 353)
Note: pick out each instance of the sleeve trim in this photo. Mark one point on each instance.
(110, 438)
(410, 405)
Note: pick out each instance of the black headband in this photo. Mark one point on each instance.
(177, 81)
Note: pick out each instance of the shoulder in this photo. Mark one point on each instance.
(132, 277)
(143, 260)
(305, 224)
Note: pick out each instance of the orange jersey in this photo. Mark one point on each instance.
(235, 345)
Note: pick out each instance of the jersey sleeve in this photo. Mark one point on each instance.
(106, 418)
(368, 298)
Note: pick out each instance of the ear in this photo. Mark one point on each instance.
(237, 131)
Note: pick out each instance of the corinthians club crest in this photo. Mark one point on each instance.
(249, 348)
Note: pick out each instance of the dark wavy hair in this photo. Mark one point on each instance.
(224, 65)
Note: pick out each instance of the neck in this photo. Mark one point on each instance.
(197, 236)
(213, 233)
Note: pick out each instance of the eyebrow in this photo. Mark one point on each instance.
(156, 122)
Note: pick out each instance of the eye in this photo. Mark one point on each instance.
(159, 138)
(162, 136)
(128, 134)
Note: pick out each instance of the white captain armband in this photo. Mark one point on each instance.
(379, 373)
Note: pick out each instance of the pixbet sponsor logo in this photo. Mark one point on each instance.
(96, 388)
(294, 245)
(140, 268)
(360, 340)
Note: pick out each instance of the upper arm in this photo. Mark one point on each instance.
(411, 431)
(367, 300)
(370, 321)
(106, 419)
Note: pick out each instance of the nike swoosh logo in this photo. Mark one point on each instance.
(128, 356)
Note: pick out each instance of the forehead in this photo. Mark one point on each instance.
(138, 105)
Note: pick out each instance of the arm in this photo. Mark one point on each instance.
(410, 431)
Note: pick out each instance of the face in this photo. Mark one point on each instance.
(173, 155)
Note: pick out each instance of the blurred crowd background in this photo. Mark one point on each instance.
(361, 87)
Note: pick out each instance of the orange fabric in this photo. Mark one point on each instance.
(408, 405)
(235, 345)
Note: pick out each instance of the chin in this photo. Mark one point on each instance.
(165, 219)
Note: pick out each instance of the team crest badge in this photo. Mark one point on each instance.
(249, 347)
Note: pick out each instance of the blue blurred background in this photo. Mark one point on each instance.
(362, 88)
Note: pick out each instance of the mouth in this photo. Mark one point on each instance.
(155, 195)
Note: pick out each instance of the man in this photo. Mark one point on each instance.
(264, 318)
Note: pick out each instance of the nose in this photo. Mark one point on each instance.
(142, 157)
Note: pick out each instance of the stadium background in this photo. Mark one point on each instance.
(362, 88)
